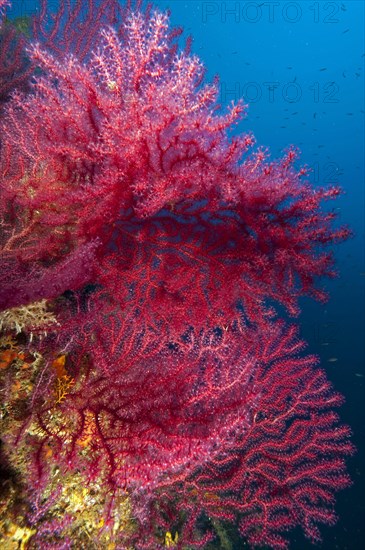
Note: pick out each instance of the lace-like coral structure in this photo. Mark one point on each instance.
(151, 248)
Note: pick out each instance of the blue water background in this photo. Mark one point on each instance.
(300, 67)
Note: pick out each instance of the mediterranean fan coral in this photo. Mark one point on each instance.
(150, 391)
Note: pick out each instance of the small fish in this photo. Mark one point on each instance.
(323, 69)
(347, 30)
(359, 374)
(332, 359)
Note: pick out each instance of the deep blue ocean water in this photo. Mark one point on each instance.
(300, 67)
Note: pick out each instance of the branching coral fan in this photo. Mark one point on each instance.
(160, 245)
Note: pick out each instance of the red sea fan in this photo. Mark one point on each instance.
(133, 134)
(162, 243)
(74, 27)
(148, 413)
(171, 403)
(70, 29)
(230, 425)
(285, 468)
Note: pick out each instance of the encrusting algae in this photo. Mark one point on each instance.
(80, 502)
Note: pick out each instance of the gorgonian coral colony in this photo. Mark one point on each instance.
(143, 251)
